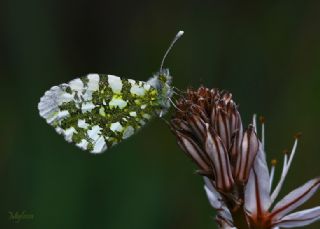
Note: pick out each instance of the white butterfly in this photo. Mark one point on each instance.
(98, 111)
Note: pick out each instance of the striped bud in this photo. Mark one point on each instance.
(249, 148)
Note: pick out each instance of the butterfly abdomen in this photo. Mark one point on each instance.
(98, 111)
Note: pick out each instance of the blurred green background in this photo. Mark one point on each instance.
(267, 53)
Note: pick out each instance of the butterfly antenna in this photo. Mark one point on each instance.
(179, 34)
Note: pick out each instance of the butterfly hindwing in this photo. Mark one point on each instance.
(98, 111)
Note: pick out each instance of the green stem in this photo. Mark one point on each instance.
(239, 219)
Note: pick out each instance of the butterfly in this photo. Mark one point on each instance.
(98, 111)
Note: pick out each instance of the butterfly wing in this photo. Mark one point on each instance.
(98, 111)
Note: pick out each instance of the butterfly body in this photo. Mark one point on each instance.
(98, 111)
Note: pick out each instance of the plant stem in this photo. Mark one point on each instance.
(239, 219)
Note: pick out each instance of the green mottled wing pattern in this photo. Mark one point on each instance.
(98, 111)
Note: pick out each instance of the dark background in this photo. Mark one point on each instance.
(267, 53)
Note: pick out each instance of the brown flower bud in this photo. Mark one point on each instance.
(249, 148)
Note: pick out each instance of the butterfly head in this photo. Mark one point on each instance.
(161, 81)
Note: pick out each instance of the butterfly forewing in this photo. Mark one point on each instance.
(98, 111)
